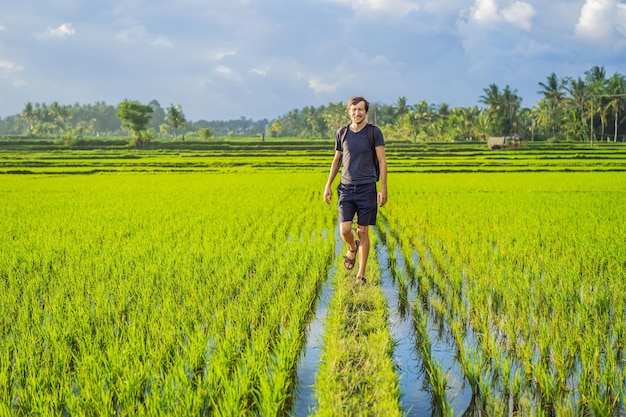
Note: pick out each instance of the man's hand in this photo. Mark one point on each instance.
(382, 196)
(328, 195)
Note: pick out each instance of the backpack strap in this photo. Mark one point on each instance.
(370, 135)
(343, 131)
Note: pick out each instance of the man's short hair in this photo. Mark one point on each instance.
(356, 100)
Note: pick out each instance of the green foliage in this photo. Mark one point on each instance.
(276, 128)
(135, 117)
(175, 117)
(127, 295)
(525, 270)
(151, 293)
(205, 133)
(579, 109)
(356, 375)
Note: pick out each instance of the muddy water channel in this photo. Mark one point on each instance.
(306, 373)
(417, 397)
(416, 390)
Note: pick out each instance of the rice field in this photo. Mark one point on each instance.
(523, 275)
(183, 282)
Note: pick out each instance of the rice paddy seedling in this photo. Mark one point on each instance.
(531, 263)
(156, 295)
(182, 282)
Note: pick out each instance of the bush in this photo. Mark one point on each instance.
(205, 133)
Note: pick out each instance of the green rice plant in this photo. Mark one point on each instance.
(436, 379)
(530, 264)
(157, 294)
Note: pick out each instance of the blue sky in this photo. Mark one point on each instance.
(259, 59)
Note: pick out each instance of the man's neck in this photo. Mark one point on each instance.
(356, 127)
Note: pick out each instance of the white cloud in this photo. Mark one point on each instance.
(520, 14)
(9, 72)
(263, 58)
(319, 86)
(163, 42)
(397, 8)
(228, 73)
(621, 19)
(594, 16)
(601, 20)
(260, 71)
(220, 54)
(223, 69)
(487, 12)
(138, 34)
(66, 29)
(9, 66)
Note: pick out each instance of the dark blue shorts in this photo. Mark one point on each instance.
(361, 200)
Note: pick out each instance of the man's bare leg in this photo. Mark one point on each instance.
(364, 250)
(345, 228)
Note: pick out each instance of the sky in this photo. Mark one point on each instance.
(222, 60)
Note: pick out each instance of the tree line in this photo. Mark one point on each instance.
(591, 107)
(586, 108)
(68, 122)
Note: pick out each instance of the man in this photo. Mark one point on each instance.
(357, 189)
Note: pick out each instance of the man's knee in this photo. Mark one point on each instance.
(345, 228)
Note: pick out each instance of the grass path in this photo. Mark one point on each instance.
(357, 374)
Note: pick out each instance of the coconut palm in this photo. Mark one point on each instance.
(175, 117)
(28, 115)
(579, 99)
(511, 104)
(401, 106)
(596, 78)
(616, 92)
(502, 109)
(553, 91)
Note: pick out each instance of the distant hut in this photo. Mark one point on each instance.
(496, 142)
(499, 142)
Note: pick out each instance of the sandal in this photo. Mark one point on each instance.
(361, 280)
(348, 263)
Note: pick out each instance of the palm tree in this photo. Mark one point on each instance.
(175, 117)
(542, 117)
(28, 115)
(314, 124)
(401, 106)
(554, 93)
(554, 89)
(291, 123)
(423, 118)
(510, 104)
(60, 115)
(502, 109)
(579, 96)
(469, 120)
(596, 77)
(493, 100)
(276, 128)
(334, 116)
(616, 89)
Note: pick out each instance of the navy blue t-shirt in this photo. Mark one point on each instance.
(357, 155)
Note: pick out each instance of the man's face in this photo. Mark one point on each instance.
(357, 112)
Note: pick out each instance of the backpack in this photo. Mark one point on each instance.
(343, 131)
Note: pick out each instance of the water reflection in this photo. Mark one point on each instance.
(305, 401)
